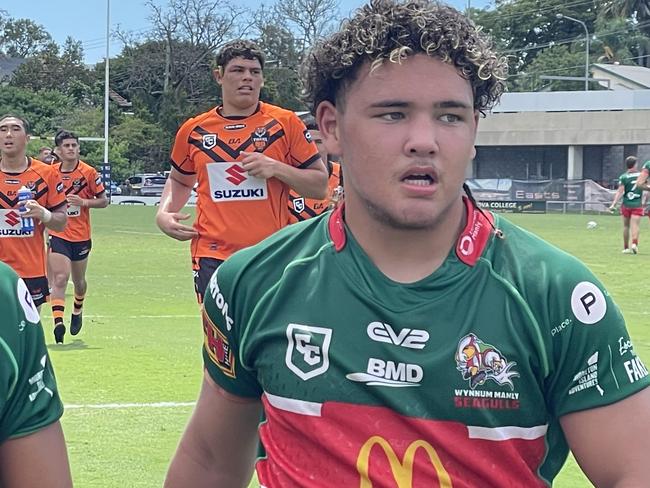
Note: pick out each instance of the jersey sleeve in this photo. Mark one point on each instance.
(223, 324)
(29, 398)
(302, 149)
(180, 157)
(95, 182)
(646, 167)
(593, 361)
(55, 190)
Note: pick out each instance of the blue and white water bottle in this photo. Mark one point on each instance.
(26, 223)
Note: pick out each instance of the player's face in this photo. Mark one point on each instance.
(241, 82)
(318, 140)
(405, 135)
(68, 150)
(13, 137)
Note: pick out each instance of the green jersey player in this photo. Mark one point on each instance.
(642, 181)
(632, 207)
(408, 339)
(32, 447)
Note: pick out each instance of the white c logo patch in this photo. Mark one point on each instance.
(588, 303)
(26, 302)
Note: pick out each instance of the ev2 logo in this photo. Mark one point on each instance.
(308, 350)
(409, 338)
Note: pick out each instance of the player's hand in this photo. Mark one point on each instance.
(611, 208)
(170, 224)
(34, 210)
(74, 199)
(258, 165)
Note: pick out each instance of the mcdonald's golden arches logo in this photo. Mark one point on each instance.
(402, 470)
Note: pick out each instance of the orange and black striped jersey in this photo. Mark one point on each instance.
(25, 251)
(236, 210)
(301, 208)
(84, 181)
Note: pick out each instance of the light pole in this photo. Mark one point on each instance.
(562, 16)
(106, 170)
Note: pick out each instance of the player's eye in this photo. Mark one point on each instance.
(392, 116)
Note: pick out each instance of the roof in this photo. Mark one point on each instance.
(623, 76)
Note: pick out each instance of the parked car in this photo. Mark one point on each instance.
(144, 184)
(115, 189)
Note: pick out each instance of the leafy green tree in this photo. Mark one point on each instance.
(44, 110)
(21, 38)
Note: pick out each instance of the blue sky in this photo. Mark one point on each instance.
(86, 20)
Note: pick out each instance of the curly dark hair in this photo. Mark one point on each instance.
(392, 30)
(240, 48)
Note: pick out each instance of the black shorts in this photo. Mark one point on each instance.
(38, 288)
(75, 251)
(203, 269)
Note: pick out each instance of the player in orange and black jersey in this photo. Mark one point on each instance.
(22, 249)
(301, 208)
(69, 249)
(245, 155)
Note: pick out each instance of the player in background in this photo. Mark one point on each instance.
(32, 446)
(632, 206)
(408, 338)
(45, 155)
(70, 249)
(24, 251)
(302, 208)
(245, 155)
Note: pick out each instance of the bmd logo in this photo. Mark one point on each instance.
(12, 218)
(236, 173)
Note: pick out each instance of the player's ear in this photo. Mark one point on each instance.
(218, 74)
(328, 123)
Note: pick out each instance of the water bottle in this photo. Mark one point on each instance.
(26, 223)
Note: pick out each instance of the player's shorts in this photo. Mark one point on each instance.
(74, 251)
(203, 269)
(628, 212)
(38, 288)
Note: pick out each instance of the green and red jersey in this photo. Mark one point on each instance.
(632, 194)
(456, 380)
(29, 399)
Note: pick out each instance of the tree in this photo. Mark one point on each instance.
(21, 38)
(312, 19)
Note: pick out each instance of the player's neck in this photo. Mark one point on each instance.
(69, 165)
(403, 255)
(229, 110)
(13, 164)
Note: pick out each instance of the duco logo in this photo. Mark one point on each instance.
(402, 471)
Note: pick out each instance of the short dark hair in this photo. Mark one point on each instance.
(241, 48)
(392, 30)
(44, 148)
(62, 135)
(22, 119)
(631, 161)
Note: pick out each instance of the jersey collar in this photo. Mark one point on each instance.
(469, 246)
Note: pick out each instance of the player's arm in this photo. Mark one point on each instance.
(36, 460)
(308, 182)
(611, 443)
(100, 201)
(642, 180)
(52, 219)
(617, 196)
(175, 195)
(219, 445)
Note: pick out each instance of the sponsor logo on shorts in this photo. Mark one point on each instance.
(588, 303)
(308, 347)
(380, 372)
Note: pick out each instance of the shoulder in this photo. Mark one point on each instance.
(197, 120)
(282, 115)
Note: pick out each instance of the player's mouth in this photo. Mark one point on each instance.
(245, 89)
(420, 176)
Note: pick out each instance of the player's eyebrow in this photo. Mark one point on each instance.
(404, 104)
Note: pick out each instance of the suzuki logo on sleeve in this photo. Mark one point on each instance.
(410, 338)
(236, 173)
(12, 218)
(308, 350)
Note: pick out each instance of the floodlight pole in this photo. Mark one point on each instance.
(106, 170)
(562, 16)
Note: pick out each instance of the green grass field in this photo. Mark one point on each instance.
(130, 377)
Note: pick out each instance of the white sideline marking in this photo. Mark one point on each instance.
(196, 316)
(113, 406)
(138, 233)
